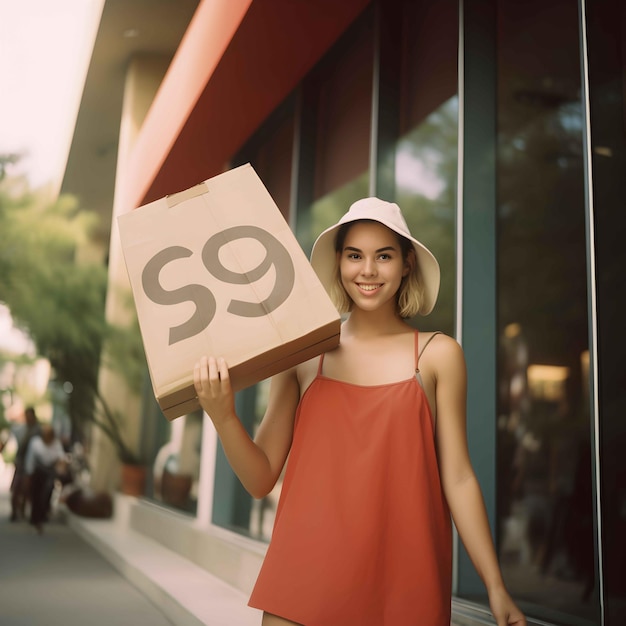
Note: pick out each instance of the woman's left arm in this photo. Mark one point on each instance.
(459, 481)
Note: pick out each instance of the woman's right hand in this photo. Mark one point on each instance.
(211, 381)
(257, 462)
(212, 384)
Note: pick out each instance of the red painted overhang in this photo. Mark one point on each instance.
(237, 61)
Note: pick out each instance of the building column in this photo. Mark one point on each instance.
(143, 78)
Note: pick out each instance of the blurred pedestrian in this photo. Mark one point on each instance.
(45, 463)
(23, 434)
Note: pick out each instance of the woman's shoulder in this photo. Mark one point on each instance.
(440, 348)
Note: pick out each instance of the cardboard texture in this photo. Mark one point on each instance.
(216, 270)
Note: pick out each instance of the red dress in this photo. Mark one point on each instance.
(362, 535)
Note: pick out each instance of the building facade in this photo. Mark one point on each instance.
(499, 127)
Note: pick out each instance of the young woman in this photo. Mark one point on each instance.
(378, 457)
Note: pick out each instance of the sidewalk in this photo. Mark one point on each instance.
(58, 579)
(98, 572)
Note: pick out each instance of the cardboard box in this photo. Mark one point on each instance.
(216, 270)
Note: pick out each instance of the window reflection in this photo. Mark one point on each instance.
(426, 173)
(606, 40)
(327, 210)
(545, 505)
(176, 468)
(339, 93)
(263, 511)
(425, 152)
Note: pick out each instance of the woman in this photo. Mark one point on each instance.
(375, 430)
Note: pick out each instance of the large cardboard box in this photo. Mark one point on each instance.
(216, 270)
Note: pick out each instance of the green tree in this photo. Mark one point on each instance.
(59, 302)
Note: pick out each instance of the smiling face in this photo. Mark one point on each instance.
(372, 266)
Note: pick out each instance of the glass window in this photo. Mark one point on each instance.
(426, 151)
(270, 154)
(339, 92)
(177, 464)
(174, 450)
(544, 469)
(606, 32)
(263, 511)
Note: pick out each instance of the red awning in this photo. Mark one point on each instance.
(237, 61)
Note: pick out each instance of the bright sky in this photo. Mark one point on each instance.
(12, 339)
(45, 47)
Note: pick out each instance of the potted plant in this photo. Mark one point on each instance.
(133, 468)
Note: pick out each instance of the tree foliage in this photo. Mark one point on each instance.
(60, 301)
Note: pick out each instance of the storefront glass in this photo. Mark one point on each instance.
(174, 450)
(338, 97)
(545, 515)
(426, 158)
(606, 45)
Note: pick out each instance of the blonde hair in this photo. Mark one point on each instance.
(410, 296)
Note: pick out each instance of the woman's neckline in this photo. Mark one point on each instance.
(361, 386)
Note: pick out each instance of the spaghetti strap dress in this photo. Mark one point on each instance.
(362, 535)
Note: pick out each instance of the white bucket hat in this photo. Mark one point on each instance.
(323, 255)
